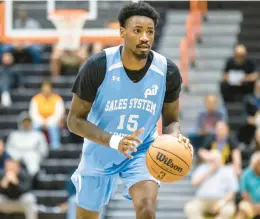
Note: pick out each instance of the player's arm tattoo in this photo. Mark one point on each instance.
(170, 118)
(78, 123)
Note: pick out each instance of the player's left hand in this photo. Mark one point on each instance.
(184, 140)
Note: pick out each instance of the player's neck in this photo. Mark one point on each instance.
(130, 61)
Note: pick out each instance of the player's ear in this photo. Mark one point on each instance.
(122, 32)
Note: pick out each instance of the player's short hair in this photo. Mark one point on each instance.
(47, 82)
(138, 9)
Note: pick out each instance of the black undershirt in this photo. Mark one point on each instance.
(248, 66)
(92, 74)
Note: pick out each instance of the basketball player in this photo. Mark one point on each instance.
(118, 97)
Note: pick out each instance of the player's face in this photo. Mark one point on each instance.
(139, 35)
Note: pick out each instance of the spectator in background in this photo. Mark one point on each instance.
(47, 110)
(72, 138)
(27, 145)
(255, 144)
(23, 21)
(15, 191)
(25, 52)
(248, 150)
(67, 60)
(213, 195)
(3, 155)
(239, 75)
(252, 107)
(70, 205)
(249, 207)
(97, 47)
(9, 79)
(206, 121)
(223, 142)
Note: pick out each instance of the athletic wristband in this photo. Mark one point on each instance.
(114, 141)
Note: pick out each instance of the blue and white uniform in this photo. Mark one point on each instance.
(120, 107)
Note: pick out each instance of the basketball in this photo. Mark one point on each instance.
(168, 160)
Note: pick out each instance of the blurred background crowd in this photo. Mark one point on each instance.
(220, 113)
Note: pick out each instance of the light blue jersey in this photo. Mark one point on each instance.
(122, 107)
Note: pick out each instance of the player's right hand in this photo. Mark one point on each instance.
(129, 143)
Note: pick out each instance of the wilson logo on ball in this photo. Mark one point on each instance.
(168, 162)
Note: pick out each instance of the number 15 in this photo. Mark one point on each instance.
(131, 125)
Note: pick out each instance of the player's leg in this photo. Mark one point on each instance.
(141, 187)
(144, 195)
(92, 194)
(85, 214)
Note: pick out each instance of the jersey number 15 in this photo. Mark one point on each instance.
(131, 124)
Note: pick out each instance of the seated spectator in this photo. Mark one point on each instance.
(15, 191)
(27, 145)
(70, 205)
(71, 137)
(239, 75)
(223, 142)
(97, 47)
(46, 111)
(67, 60)
(249, 207)
(23, 21)
(24, 52)
(206, 121)
(248, 150)
(71, 211)
(255, 144)
(9, 79)
(3, 155)
(213, 195)
(252, 107)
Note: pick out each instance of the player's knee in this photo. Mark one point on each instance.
(147, 212)
(146, 208)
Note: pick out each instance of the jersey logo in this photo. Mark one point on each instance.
(151, 91)
(115, 78)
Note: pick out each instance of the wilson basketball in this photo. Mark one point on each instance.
(168, 160)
